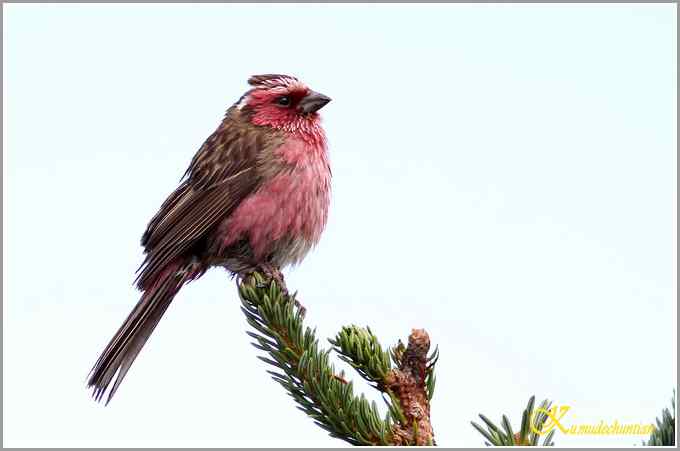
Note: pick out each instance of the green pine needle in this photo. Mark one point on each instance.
(304, 370)
(360, 348)
(504, 436)
(664, 434)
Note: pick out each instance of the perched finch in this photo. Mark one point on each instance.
(255, 197)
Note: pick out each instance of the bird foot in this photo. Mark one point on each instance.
(271, 272)
(301, 308)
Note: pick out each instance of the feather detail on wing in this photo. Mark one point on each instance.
(223, 172)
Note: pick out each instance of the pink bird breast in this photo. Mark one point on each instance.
(293, 205)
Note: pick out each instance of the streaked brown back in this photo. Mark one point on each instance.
(224, 171)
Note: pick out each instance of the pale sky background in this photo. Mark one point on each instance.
(504, 176)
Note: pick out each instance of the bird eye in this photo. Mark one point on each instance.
(283, 101)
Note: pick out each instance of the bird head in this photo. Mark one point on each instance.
(282, 101)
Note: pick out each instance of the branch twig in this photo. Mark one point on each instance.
(326, 396)
(408, 383)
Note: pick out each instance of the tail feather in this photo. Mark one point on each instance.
(128, 341)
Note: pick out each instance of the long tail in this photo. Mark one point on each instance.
(137, 328)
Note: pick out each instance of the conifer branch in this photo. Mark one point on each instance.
(504, 435)
(664, 434)
(305, 371)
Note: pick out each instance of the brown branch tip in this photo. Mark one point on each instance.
(408, 384)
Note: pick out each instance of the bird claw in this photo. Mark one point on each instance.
(272, 273)
(301, 308)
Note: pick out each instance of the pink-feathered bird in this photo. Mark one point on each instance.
(255, 197)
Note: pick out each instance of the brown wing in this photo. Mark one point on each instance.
(222, 173)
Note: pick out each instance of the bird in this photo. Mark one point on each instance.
(255, 197)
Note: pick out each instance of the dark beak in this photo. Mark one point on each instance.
(313, 102)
